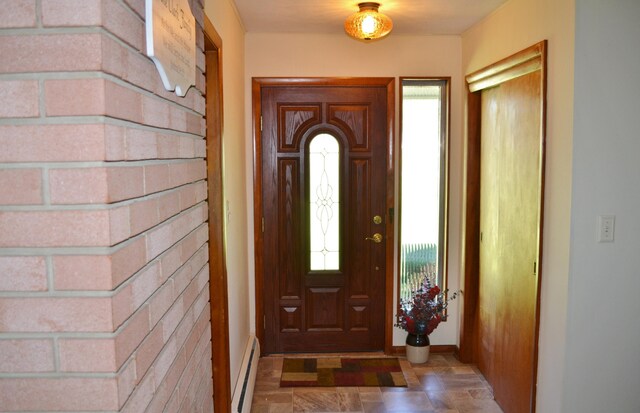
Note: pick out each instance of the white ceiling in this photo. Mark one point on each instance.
(418, 17)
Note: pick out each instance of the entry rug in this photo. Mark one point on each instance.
(342, 372)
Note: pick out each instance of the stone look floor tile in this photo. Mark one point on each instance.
(316, 400)
(442, 385)
(407, 402)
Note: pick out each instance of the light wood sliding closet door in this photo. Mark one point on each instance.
(509, 103)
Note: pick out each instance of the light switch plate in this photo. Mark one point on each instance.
(606, 228)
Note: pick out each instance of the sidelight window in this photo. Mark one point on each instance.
(324, 202)
(423, 182)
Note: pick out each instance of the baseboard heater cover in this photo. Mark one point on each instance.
(243, 394)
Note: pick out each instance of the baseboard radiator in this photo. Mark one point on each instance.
(243, 394)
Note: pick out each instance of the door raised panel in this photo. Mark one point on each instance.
(290, 234)
(360, 217)
(324, 309)
(354, 120)
(294, 120)
(290, 319)
(359, 318)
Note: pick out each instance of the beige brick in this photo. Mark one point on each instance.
(195, 124)
(124, 24)
(202, 326)
(160, 302)
(137, 6)
(119, 227)
(172, 318)
(132, 296)
(141, 396)
(20, 186)
(169, 205)
(169, 146)
(55, 314)
(186, 172)
(75, 97)
(159, 239)
(78, 186)
(50, 53)
(123, 103)
(71, 12)
(156, 112)
(99, 272)
(131, 335)
(115, 142)
(128, 260)
(144, 215)
(94, 185)
(125, 183)
(200, 148)
(186, 148)
(127, 382)
(141, 144)
(177, 118)
(188, 196)
(18, 98)
(26, 356)
(171, 377)
(145, 284)
(87, 355)
(148, 351)
(82, 272)
(59, 394)
(166, 357)
(160, 398)
(23, 274)
(171, 261)
(123, 305)
(156, 178)
(52, 143)
(18, 13)
(55, 228)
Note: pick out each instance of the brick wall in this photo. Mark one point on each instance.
(103, 233)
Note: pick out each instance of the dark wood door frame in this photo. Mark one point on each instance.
(256, 86)
(527, 61)
(218, 295)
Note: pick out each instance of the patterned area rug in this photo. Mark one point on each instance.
(342, 372)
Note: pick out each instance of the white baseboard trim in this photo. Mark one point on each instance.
(243, 393)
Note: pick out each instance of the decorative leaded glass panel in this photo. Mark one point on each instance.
(324, 202)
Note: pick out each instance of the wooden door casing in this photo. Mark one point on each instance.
(341, 310)
(217, 271)
(504, 225)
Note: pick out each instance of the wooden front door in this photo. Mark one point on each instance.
(324, 170)
(510, 110)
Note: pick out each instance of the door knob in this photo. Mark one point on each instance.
(377, 238)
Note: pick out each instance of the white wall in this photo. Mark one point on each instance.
(224, 18)
(317, 55)
(603, 334)
(513, 27)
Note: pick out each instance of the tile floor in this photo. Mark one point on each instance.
(442, 385)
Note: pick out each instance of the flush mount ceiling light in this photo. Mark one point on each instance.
(368, 23)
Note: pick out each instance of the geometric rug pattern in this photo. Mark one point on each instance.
(342, 372)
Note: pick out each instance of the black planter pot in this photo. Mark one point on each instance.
(417, 340)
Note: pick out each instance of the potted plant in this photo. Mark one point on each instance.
(419, 315)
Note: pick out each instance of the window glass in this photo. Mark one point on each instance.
(324, 202)
(423, 183)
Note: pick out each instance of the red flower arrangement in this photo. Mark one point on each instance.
(422, 313)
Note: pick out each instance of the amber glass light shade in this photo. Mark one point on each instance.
(368, 23)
